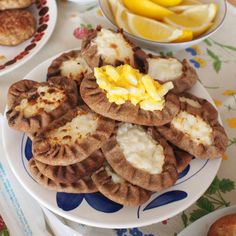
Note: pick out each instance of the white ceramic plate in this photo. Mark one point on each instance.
(45, 13)
(94, 209)
(201, 226)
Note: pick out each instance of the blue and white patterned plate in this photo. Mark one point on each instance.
(96, 210)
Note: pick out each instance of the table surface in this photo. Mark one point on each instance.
(214, 59)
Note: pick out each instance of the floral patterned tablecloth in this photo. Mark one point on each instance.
(215, 62)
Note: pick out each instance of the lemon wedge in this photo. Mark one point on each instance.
(185, 5)
(167, 3)
(197, 19)
(152, 30)
(187, 35)
(147, 8)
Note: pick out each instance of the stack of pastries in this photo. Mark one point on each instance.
(113, 119)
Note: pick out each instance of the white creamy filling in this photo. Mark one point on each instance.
(115, 178)
(112, 46)
(140, 149)
(194, 126)
(75, 130)
(164, 69)
(191, 102)
(74, 68)
(48, 99)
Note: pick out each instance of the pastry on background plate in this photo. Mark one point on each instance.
(32, 106)
(117, 189)
(71, 65)
(225, 226)
(193, 131)
(167, 69)
(15, 4)
(72, 173)
(107, 47)
(123, 93)
(72, 138)
(142, 157)
(85, 185)
(16, 26)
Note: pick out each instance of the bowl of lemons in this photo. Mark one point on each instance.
(166, 25)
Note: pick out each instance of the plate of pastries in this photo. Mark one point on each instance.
(111, 136)
(25, 27)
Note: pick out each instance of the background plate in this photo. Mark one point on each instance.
(45, 13)
(201, 226)
(94, 209)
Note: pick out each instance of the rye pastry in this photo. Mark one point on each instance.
(15, 4)
(71, 65)
(182, 158)
(142, 157)
(72, 138)
(75, 172)
(200, 136)
(16, 26)
(117, 189)
(84, 185)
(96, 99)
(225, 226)
(33, 106)
(179, 72)
(107, 47)
(205, 109)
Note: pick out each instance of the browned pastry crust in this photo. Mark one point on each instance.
(185, 81)
(55, 68)
(72, 173)
(27, 89)
(96, 99)
(151, 182)
(182, 158)
(85, 185)
(199, 150)
(15, 4)
(225, 226)
(16, 26)
(67, 154)
(207, 110)
(124, 193)
(89, 52)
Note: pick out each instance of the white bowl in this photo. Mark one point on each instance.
(157, 46)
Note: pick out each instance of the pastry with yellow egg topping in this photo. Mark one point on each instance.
(117, 189)
(142, 157)
(107, 47)
(72, 138)
(72, 173)
(33, 106)
(123, 93)
(85, 185)
(168, 69)
(195, 133)
(70, 65)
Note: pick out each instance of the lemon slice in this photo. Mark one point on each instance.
(151, 29)
(167, 3)
(147, 8)
(185, 5)
(197, 19)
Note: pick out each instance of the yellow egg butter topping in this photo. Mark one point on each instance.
(124, 83)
